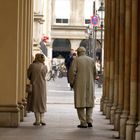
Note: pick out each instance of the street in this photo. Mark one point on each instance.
(61, 119)
(60, 93)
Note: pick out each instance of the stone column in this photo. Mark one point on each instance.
(48, 26)
(107, 47)
(75, 43)
(112, 48)
(53, 18)
(77, 9)
(9, 111)
(116, 66)
(121, 64)
(105, 55)
(28, 37)
(24, 53)
(126, 106)
(28, 33)
(20, 59)
(137, 135)
(131, 123)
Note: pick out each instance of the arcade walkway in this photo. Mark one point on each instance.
(61, 120)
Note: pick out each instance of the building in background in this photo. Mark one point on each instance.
(65, 24)
(42, 27)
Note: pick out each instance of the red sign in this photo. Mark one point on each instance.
(95, 20)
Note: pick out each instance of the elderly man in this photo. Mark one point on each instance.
(82, 75)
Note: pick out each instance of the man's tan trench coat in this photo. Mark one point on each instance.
(37, 73)
(82, 75)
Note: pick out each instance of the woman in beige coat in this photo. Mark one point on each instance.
(82, 76)
(36, 74)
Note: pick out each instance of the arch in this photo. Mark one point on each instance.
(85, 43)
(61, 47)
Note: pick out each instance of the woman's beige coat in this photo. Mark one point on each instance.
(37, 73)
(82, 75)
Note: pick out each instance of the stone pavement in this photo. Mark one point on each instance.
(61, 119)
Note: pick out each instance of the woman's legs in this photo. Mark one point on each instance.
(42, 120)
(37, 118)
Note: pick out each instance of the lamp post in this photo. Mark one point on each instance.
(101, 10)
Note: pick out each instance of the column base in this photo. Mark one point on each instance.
(137, 134)
(25, 107)
(130, 128)
(104, 106)
(9, 116)
(112, 114)
(117, 119)
(108, 110)
(101, 104)
(21, 107)
(123, 120)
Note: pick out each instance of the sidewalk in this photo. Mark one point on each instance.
(62, 121)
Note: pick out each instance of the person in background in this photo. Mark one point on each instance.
(82, 76)
(68, 62)
(36, 73)
(97, 64)
(43, 45)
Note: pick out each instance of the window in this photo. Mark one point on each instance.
(62, 11)
(88, 11)
(87, 21)
(58, 20)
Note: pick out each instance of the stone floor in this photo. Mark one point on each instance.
(62, 121)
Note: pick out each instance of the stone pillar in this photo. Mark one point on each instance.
(48, 26)
(121, 64)
(20, 59)
(28, 38)
(53, 18)
(105, 56)
(116, 66)
(77, 9)
(112, 48)
(131, 123)
(75, 43)
(29, 31)
(107, 62)
(24, 53)
(137, 135)
(126, 107)
(9, 111)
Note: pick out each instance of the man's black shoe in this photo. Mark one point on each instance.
(43, 123)
(81, 126)
(90, 125)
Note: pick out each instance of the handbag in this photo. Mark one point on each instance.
(29, 88)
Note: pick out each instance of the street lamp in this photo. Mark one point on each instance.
(101, 10)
